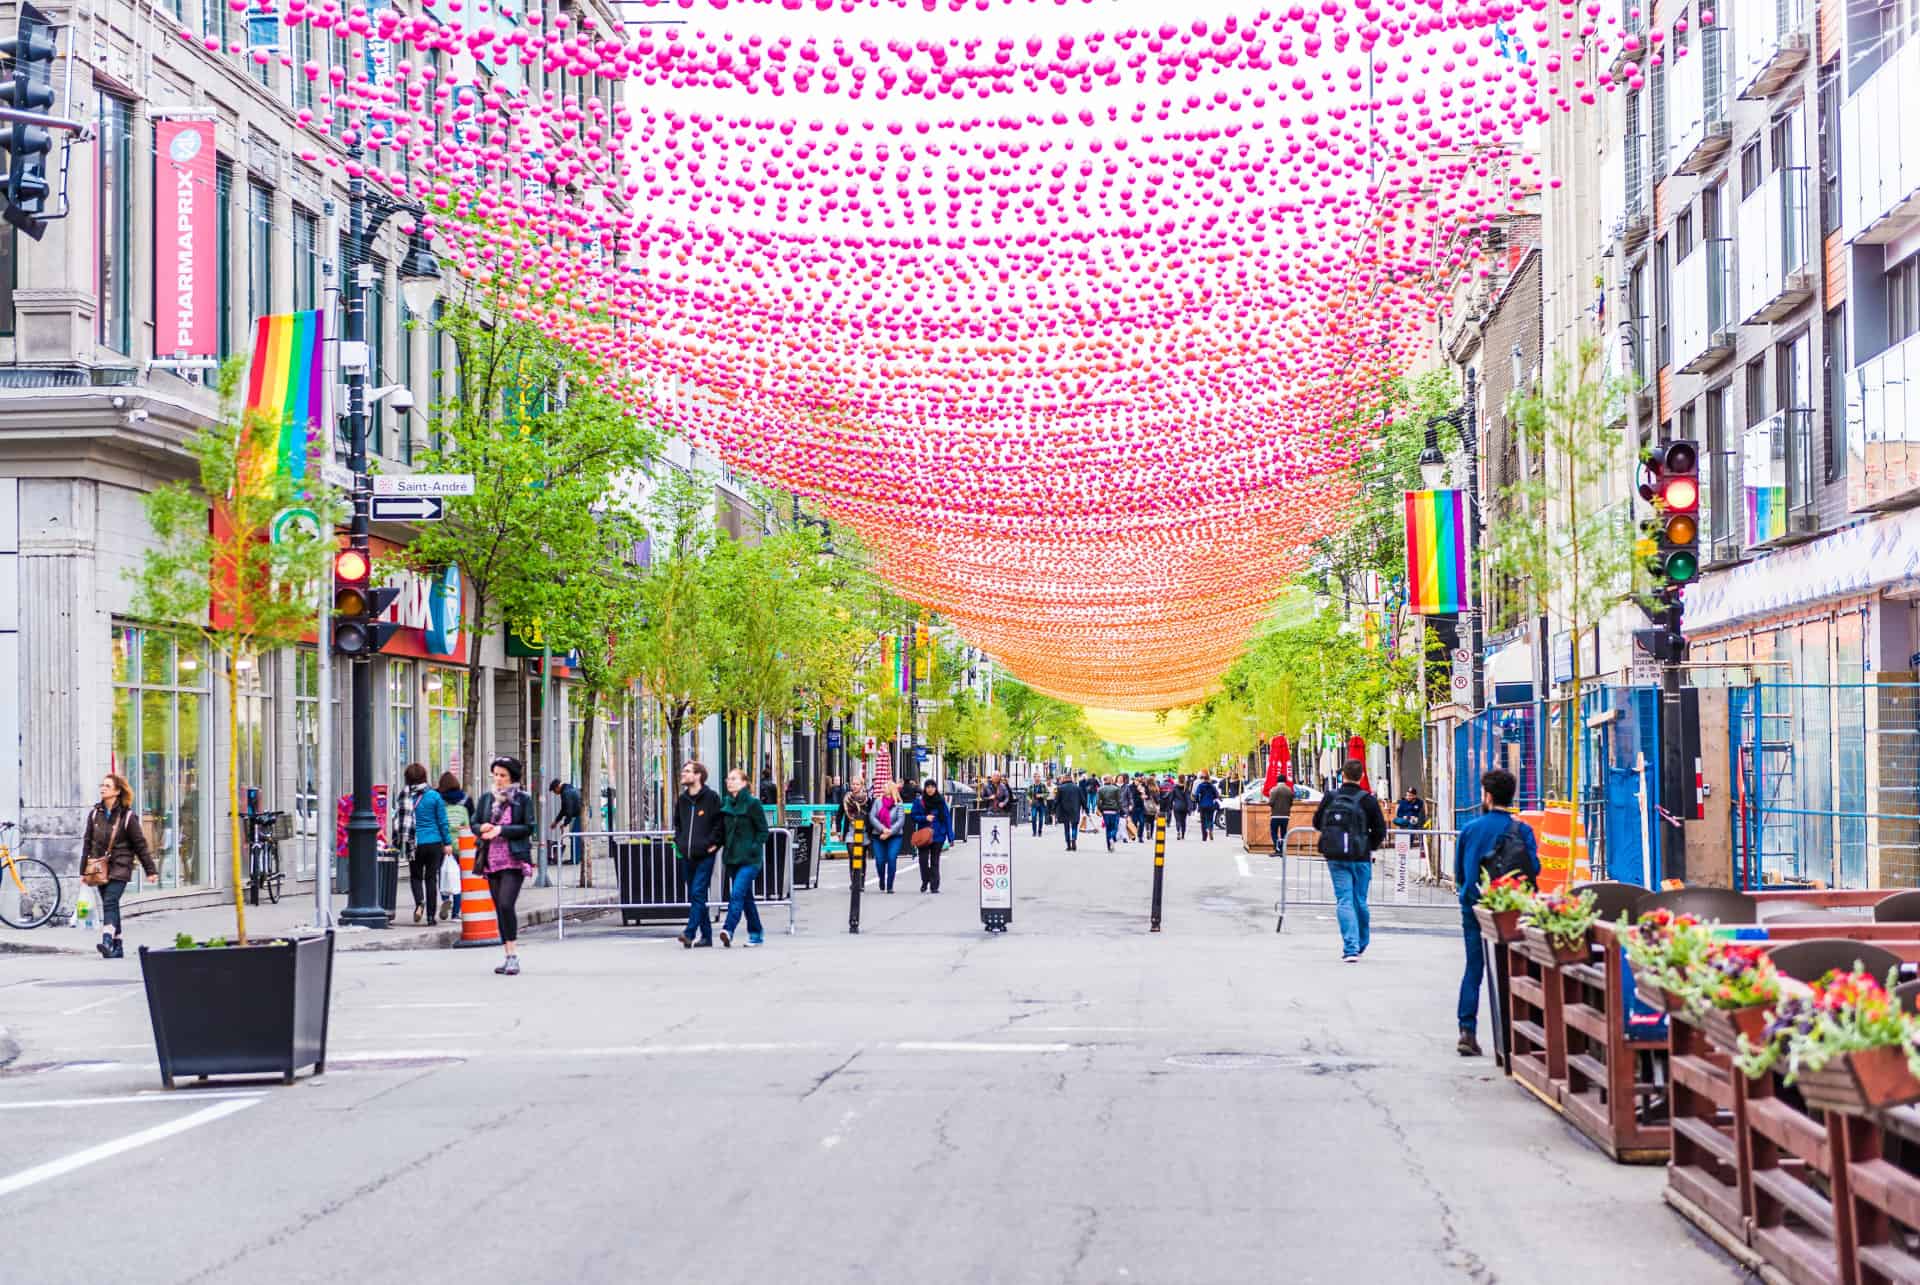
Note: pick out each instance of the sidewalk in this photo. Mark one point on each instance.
(293, 917)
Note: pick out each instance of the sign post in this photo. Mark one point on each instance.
(996, 872)
(1159, 867)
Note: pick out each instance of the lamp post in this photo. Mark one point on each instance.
(1433, 472)
(367, 213)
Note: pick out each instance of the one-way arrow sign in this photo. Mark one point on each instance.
(408, 508)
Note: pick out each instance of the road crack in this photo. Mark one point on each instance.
(1455, 1253)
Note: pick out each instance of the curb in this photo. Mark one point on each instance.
(9, 1048)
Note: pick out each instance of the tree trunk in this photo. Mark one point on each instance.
(233, 794)
(779, 774)
(470, 719)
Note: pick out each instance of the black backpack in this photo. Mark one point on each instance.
(1343, 828)
(1509, 855)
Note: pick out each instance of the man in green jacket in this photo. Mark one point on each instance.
(742, 854)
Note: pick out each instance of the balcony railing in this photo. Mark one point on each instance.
(1777, 235)
(1703, 322)
(1879, 158)
(1700, 95)
(1883, 428)
(1771, 41)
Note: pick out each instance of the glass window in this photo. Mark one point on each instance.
(259, 251)
(159, 714)
(1756, 391)
(303, 91)
(377, 355)
(310, 815)
(223, 244)
(446, 690)
(214, 20)
(1719, 456)
(114, 274)
(1662, 304)
(1835, 401)
(9, 276)
(1903, 300)
(253, 715)
(401, 749)
(306, 257)
(403, 336)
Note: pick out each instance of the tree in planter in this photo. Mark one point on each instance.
(547, 444)
(1567, 552)
(677, 631)
(218, 573)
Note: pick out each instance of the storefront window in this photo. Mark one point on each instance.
(253, 713)
(309, 815)
(400, 739)
(446, 690)
(159, 714)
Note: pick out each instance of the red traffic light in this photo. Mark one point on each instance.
(1681, 493)
(351, 566)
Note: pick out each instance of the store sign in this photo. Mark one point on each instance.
(430, 607)
(185, 272)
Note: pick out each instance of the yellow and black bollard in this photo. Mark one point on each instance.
(856, 872)
(1159, 867)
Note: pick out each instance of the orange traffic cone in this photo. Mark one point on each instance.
(479, 922)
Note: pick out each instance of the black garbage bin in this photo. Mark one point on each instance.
(1232, 818)
(803, 855)
(389, 868)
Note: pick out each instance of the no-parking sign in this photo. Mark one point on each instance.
(996, 872)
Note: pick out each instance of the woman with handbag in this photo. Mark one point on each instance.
(110, 844)
(505, 829)
(421, 833)
(931, 825)
(889, 832)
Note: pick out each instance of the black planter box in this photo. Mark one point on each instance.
(240, 1010)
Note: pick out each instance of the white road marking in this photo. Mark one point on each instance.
(449, 1004)
(969, 1046)
(107, 1150)
(102, 1003)
(1240, 859)
(148, 1095)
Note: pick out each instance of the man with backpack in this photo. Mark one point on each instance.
(1351, 826)
(1494, 844)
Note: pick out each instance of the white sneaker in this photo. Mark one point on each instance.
(1349, 959)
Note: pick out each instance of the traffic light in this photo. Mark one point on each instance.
(1669, 543)
(358, 605)
(27, 85)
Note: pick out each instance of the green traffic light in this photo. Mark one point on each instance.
(1682, 566)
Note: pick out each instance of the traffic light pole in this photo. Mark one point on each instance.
(363, 872)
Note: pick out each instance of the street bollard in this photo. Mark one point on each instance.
(856, 872)
(1159, 867)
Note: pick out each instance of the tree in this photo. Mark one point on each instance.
(217, 572)
(547, 442)
(1567, 554)
(675, 637)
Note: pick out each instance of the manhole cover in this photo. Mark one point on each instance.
(1225, 1061)
(93, 981)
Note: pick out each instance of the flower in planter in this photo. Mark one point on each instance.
(1663, 948)
(1731, 976)
(1563, 916)
(1508, 892)
(1844, 1012)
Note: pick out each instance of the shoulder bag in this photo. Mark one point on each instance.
(93, 872)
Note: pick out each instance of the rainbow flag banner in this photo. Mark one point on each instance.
(286, 384)
(1436, 552)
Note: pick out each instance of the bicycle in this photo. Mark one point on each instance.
(30, 893)
(263, 857)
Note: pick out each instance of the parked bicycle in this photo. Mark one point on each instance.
(263, 857)
(30, 892)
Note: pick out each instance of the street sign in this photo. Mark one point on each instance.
(1402, 860)
(919, 753)
(1644, 673)
(423, 484)
(295, 523)
(996, 872)
(336, 475)
(833, 738)
(408, 508)
(872, 744)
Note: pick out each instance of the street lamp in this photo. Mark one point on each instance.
(419, 275)
(1433, 465)
(824, 527)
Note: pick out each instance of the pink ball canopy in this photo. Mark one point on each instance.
(1078, 312)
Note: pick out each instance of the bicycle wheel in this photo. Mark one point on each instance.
(29, 893)
(255, 862)
(274, 878)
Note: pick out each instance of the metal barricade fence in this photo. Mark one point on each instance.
(651, 881)
(1413, 872)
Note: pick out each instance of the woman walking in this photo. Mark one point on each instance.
(418, 830)
(1179, 803)
(506, 842)
(932, 824)
(459, 817)
(889, 832)
(110, 845)
(745, 848)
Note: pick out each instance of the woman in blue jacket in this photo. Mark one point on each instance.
(931, 815)
(1206, 798)
(421, 832)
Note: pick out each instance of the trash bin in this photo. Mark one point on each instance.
(804, 842)
(389, 868)
(1232, 816)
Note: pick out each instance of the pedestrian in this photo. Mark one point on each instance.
(697, 834)
(1146, 806)
(889, 833)
(1037, 804)
(769, 792)
(743, 852)
(1495, 843)
(109, 845)
(999, 797)
(1206, 799)
(1067, 807)
(459, 818)
(1351, 827)
(419, 830)
(568, 819)
(1410, 813)
(930, 827)
(1109, 803)
(1179, 803)
(856, 805)
(1279, 812)
(506, 832)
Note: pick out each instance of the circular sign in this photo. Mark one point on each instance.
(293, 524)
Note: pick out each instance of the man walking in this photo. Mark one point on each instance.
(1495, 843)
(999, 796)
(1110, 810)
(696, 839)
(1067, 805)
(1206, 798)
(1037, 804)
(1351, 827)
(1280, 805)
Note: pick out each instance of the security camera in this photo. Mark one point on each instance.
(401, 401)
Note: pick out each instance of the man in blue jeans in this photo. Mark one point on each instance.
(1351, 827)
(696, 840)
(1477, 842)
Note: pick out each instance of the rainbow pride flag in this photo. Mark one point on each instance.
(1436, 552)
(286, 384)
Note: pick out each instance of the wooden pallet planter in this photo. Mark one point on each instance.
(1800, 1219)
(1537, 991)
(1709, 1113)
(1881, 1152)
(1615, 1090)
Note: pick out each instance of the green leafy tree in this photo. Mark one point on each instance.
(677, 634)
(217, 573)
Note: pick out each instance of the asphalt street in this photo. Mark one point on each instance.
(1075, 1101)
